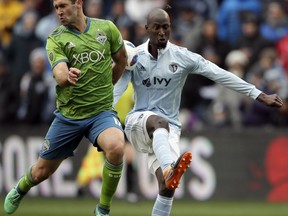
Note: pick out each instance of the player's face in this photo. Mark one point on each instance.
(66, 11)
(159, 31)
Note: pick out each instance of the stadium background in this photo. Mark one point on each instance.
(233, 173)
(236, 169)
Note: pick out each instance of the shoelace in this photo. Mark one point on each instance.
(173, 164)
(170, 173)
(99, 213)
(14, 199)
(103, 214)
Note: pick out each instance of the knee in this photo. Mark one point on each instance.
(162, 123)
(116, 148)
(154, 122)
(115, 152)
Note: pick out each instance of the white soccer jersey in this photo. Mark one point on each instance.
(158, 83)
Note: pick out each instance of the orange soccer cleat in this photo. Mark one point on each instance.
(173, 174)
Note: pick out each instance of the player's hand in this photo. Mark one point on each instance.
(270, 100)
(73, 75)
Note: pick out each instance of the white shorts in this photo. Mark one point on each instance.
(136, 132)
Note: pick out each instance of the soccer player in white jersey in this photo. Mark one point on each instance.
(152, 126)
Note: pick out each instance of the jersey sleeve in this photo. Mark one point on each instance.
(116, 38)
(55, 52)
(226, 78)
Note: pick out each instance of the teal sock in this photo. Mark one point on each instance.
(110, 179)
(26, 182)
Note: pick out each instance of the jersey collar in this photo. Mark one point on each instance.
(86, 29)
(160, 51)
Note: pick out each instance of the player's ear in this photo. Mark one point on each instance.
(79, 2)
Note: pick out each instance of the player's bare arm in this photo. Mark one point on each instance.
(64, 75)
(120, 61)
(270, 100)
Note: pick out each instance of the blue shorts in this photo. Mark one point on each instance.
(64, 134)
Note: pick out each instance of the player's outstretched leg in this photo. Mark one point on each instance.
(173, 174)
(12, 201)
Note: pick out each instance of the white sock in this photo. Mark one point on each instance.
(162, 206)
(161, 147)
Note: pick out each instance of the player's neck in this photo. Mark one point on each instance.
(81, 24)
(153, 50)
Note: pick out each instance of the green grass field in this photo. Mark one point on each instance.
(84, 207)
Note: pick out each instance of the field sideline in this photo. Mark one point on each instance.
(84, 207)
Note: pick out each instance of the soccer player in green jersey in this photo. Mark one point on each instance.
(81, 52)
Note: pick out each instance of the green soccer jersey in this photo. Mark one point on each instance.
(90, 52)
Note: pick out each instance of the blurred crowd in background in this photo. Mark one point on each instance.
(247, 37)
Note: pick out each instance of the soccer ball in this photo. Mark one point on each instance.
(131, 54)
